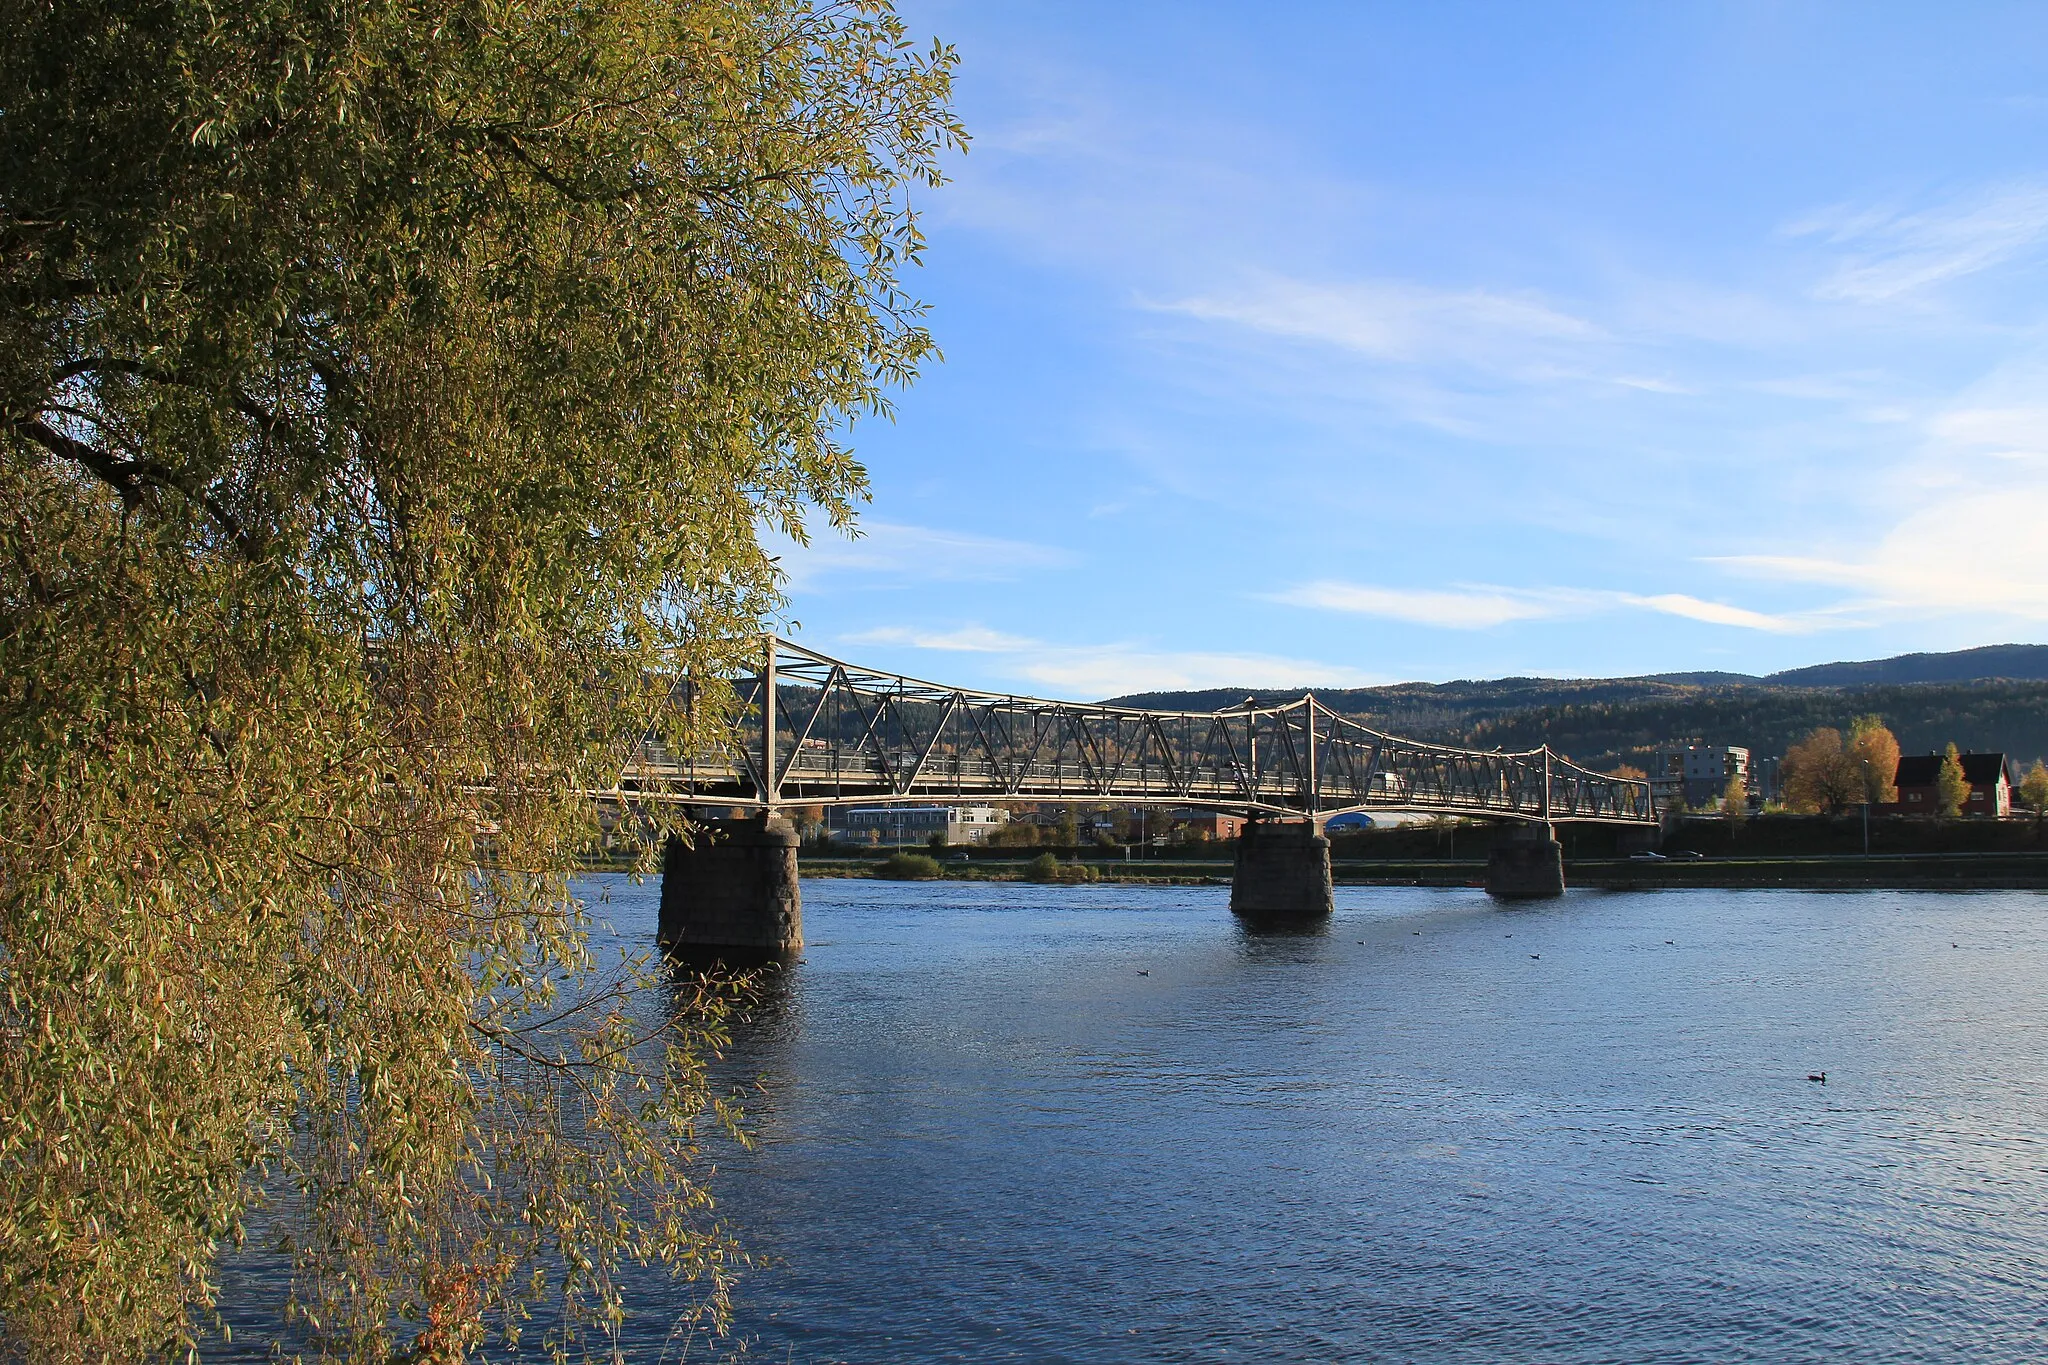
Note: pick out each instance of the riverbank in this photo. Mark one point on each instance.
(1949, 871)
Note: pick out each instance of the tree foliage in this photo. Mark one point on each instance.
(2034, 788)
(1820, 775)
(1875, 753)
(1951, 787)
(390, 398)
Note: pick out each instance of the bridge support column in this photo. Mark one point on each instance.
(1282, 872)
(733, 893)
(1526, 864)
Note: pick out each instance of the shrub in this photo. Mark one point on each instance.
(908, 867)
(1047, 868)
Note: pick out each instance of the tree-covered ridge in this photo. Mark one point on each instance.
(2007, 716)
(1440, 705)
(1602, 723)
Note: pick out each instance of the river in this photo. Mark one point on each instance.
(1108, 1123)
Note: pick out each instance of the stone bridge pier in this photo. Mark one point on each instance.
(731, 893)
(1527, 863)
(1282, 872)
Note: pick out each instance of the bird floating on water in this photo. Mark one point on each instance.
(1820, 1076)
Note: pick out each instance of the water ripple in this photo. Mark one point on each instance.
(986, 1137)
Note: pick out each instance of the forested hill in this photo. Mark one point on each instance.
(1990, 698)
(2007, 716)
(2018, 663)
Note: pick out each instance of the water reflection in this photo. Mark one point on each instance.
(1254, 927)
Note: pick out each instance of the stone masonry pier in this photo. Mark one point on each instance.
(1526, 864)
(1282, 872)
(732, 893)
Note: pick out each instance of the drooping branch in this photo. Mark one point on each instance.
(131, 479)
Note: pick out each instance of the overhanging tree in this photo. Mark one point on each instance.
(390, 395)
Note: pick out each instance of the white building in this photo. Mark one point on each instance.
(1698, 772)
(917, 824)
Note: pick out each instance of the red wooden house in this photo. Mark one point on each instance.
(1990, 777)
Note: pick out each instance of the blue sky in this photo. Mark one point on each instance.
(1296, 345)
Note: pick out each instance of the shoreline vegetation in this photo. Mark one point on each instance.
(1900, 871)
(1983, 869)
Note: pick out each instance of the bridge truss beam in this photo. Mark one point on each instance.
(821, 731)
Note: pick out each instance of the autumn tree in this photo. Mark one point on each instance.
(1735, 799)
(1819, 775)
(2034, 789)
(1876, 756)
(1951, 787)
(390, 397)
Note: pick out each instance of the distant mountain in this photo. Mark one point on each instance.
(1704, 679)
(2015, 663)
(1987, 698)
(2020, 663)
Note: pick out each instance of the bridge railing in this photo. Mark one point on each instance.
(820, 730)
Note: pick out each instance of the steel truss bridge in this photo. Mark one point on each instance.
(820, 731)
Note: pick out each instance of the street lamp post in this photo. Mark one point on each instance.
(1866, 808)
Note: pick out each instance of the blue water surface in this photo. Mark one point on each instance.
(1109, 1123)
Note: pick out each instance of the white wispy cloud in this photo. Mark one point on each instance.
(2017, 431)
(962, 640)
(1119, 670)
(1481, 606)
(1093, 671)
(1460, 609)
(1968, 554)
(1717, 613)
(1954, 530)
(1889, 253)
(1391, 319)
(895, 552)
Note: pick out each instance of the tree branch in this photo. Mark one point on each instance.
(499, 137)
(269, 422)
(132, 478)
